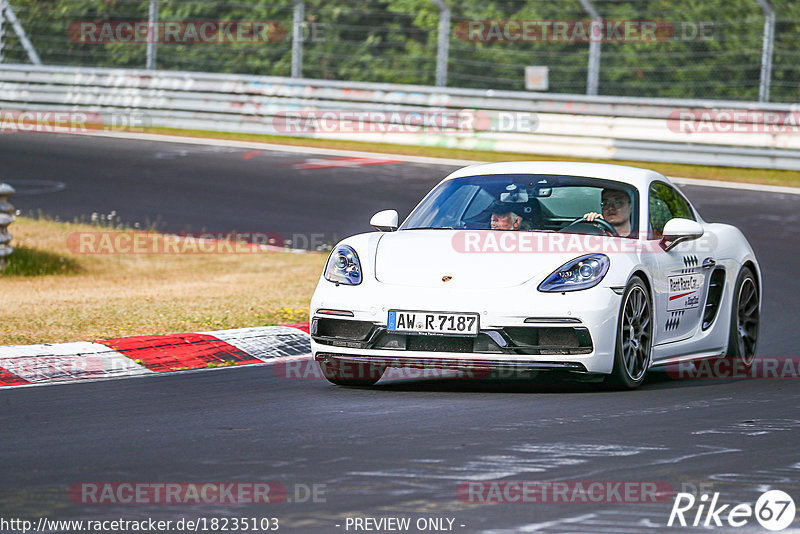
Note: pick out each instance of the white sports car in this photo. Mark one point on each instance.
(600, 270)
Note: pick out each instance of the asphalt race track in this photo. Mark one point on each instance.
(399, 449)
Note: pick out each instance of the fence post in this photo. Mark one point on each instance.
(152, 34)
(593, 70)
(297, 38)
(767, 47)
(20, 31)
(2, 26)
(6, 218)
(443, 46)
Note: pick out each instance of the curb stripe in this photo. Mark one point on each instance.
(7, 378)
(24, 365)
(268, 342)
(177, 352)
(61, 362)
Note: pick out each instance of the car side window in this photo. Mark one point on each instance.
(664, 204)
(480, 202)
(684, 211)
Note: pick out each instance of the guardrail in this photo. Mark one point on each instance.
(742, 134)
(6, 218)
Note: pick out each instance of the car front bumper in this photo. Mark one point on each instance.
(520, 328)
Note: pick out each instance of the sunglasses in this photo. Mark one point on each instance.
(612, 203)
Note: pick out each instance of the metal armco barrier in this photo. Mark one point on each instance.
(741, 134)
(6, 218)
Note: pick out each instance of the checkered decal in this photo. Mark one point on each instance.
(674, 320)
(267, 342)
(689, 264)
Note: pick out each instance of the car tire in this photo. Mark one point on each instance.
(745, 315)
(633, 351)
(351, 374)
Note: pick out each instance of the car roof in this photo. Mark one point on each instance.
(635, 176)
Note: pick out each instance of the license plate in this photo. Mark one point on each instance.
(421, 322)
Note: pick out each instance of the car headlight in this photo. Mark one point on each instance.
(343, 266)
(580, 273)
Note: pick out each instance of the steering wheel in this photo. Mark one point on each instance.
(602, 224)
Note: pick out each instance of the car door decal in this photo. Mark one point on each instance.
(684, 291)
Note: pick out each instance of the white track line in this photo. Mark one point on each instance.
(294, 149)
(763, 188)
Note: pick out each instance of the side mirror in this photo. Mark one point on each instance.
(384, 221)
(679, 230)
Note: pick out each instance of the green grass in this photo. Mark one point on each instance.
(26, 261)
(732, 174)
(109, 296)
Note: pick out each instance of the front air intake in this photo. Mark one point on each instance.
(342, 328)
(715, 287)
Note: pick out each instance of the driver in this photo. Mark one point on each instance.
(505, 217)
(616, 210)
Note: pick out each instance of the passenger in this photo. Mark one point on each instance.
(616, 210)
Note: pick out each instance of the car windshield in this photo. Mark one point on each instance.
(537, 202)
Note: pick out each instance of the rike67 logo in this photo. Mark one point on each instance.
(774, 510)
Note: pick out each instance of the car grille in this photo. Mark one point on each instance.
(439, 343)
(530, 340)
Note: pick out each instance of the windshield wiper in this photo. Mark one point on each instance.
(431, 228)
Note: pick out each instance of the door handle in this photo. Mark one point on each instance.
(708, 263)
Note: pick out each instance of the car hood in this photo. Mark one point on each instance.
(421, 258)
